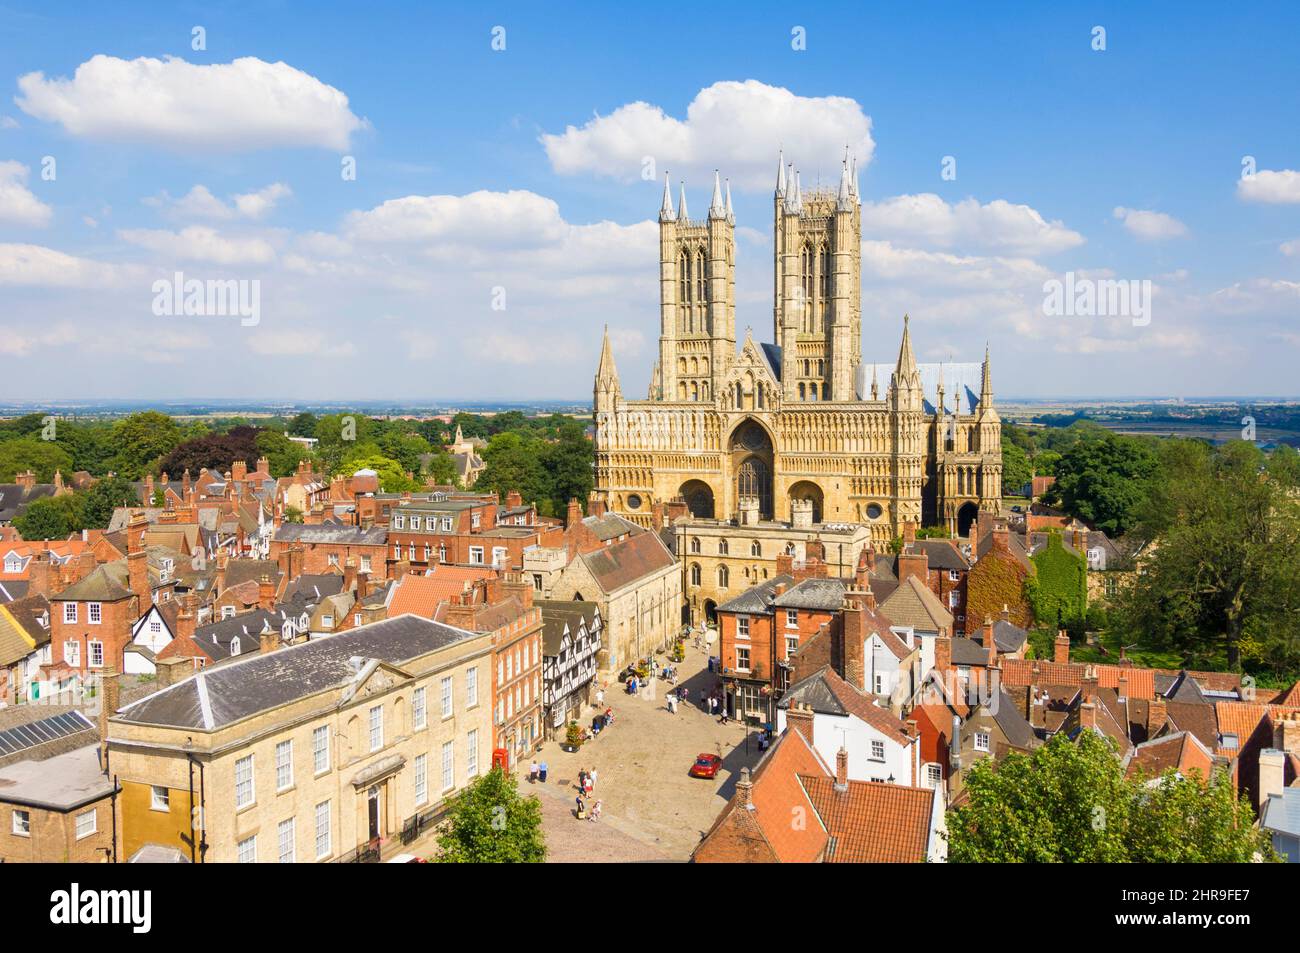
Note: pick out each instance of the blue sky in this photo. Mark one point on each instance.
(1122, 163)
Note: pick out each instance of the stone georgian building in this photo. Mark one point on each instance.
(803, 418)
(320, 751)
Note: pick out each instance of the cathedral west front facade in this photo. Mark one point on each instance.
(800, 429)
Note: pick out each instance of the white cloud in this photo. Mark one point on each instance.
(21, 342)
(1150, 226)
(200, 243)
(17, 203)
(1273, 187)
(199, 202)
(517, 348)
(1290, 248)
(240, 106)
(38, 266)
(996, 226)
(8, 122)
(733, 126)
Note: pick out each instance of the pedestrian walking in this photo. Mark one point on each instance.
(592, 780)
(532, 772)
(595, 811)
(541, 772)
(600, 696)
(588, 786)
(582, 781)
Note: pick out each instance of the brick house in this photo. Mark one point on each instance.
(325, 547)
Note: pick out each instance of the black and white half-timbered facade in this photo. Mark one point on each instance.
(571, 633)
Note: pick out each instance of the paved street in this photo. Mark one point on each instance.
(653, 810)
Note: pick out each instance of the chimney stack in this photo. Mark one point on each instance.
(943, 654)
(745, 788)
(514, 499)
(266, 641)
(841, 770)
(137, 562)
(1272, 774)
(573, 515)
(1062, 656)
(1088, 714)
(657, 515)
(266, 593)
(851, 631)
(1157, 715)
(800, 718)
(913, 564)
(909, 532)
(460, 613)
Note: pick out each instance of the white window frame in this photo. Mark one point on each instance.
(22, 822)
(91, 813)
(94, 613)
(421, 780)
(160, 801)
(320, 753)
(877, 750)
(447, 690)
(476, 555)
(72, 653)
(448, 765)
(981, 741)
(324, 831)
(419, 709)
(69, 613)
(376, 727)
(284, 765)
(471, 755)
(250, 782)
(286, 825)
(471, 687)
(91, 646)
(742, 627)
(742, 667)
(246, 850)
(792, 618)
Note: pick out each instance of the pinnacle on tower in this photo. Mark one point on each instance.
(780, 173)
(606, 371)
(986, 382)
(853, 173)
(666, 213)
(731, 215)
(875, 387)
(906, 359)
(794, 203)
(681, 203)
(716, 208)
(844, 202)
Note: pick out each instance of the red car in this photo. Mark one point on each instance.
(706, 766)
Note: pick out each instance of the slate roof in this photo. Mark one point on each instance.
(828, 694)
(1282, 812)
(968, 652)
(941, 554)
(1013, 724)
(107, 583)
(1007, 636)
(610, 526)
(14, 498)
(220, 696)
(334, 533)
(824, 594)
(756, 600)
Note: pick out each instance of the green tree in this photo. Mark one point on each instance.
(292, 514)
(1104, 481)
(513, 461)
(490, 822)
(143, 439)
(98, 502)
(568, 462)
(1223, 581)
(441, 468)
(51, 517)
(1070, 802)
(392, 478)
(303, 425)
(42, 457)
(282, 454)
(1016, 471)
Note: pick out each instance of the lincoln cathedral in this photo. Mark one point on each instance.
(798, 430)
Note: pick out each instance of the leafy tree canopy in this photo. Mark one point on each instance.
(490, 822)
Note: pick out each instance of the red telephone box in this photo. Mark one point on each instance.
(501, 759)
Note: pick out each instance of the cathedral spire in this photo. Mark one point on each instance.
(906, 359)
(780, 173)
(681, 203)
(853, 174)
(666, 213)
(731, 215)
(606, 371)
(716, 208)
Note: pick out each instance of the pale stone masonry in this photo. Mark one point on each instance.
(801, 419)
(308, 752)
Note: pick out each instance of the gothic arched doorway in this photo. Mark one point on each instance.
(967, 515)
(752, 458)
(699, 498)
(807, 490)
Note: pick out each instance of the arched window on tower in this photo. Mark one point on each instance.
(699, 277)
(724, 577)
(826, 273)
(695, 574)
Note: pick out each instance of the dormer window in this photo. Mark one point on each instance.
(1229, 741)
(13, 563)
(234, 646)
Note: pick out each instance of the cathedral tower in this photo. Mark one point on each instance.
(697, 285)
(817, 317)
